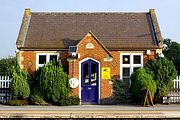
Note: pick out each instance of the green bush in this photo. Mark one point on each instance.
(119, 91)
(6, 65)
(13, 103)
(71, 100)
(17, 102)
(53, 82)
(163, 72)
(19, 86)
(37, 100)
(140, 83)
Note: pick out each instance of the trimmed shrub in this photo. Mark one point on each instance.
(19, 86)
(140, 83)
(163, 72)
(53, 82)
(119, 91)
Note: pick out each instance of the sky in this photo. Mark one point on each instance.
(11, 13)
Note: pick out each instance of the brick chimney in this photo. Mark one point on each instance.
(27, 12)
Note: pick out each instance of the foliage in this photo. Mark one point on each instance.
(119, 91)
(172, 52)
(6, 65)
(163, 72)
(140, 83)
(37, 100)
(53, 82)
(17, 102)
(71, 100)
(13, 103)
(19, 86)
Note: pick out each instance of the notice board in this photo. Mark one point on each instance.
(106, 73)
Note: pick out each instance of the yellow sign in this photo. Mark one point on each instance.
(106, 73)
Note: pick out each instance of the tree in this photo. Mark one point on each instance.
(172, 52)
(53, 83)
(140, 83)
(19, 86)
(6, 65)
(163, 72)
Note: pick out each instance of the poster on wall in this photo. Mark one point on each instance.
(106, 73)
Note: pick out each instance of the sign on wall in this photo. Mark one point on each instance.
(73, 82)
(106, 73)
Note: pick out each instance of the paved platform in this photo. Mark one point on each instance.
(90, 111)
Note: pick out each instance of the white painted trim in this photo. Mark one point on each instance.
(131, 65)
(99, 94)
(47, 58)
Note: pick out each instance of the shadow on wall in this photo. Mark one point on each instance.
(108, 101)
(115, 77)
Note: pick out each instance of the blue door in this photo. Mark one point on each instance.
(89, 82)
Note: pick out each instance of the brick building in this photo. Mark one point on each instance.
(92, 47)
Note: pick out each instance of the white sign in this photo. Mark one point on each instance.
(73, 82)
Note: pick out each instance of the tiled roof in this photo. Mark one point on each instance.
(114, 30)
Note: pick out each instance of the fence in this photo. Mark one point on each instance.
(174, 95)
(4, 89)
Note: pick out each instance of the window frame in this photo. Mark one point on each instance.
(131, 65)
(47, 58)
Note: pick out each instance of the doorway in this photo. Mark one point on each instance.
(89, 82)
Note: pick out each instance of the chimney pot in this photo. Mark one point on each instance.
(152, 11)
(27, 12)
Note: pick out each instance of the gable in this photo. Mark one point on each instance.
(91, 46)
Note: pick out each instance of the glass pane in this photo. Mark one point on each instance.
(137, 59)
(135, 68)
(42, 59)
(126, 71)
(93, 74)
(85, 76)
(126, 82)
(126, 59)
(126, 77)
(53, 57)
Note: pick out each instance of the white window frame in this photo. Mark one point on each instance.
(47, 58)
(131, 65)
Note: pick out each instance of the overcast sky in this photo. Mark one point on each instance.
(11, 13)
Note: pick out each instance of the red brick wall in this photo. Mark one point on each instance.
(28, 60)
(149, 57)
(98, 53)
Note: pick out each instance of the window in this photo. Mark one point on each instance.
(129, 62)
(137, 59)
(53, 57)
(126, 59)
(44, 58)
